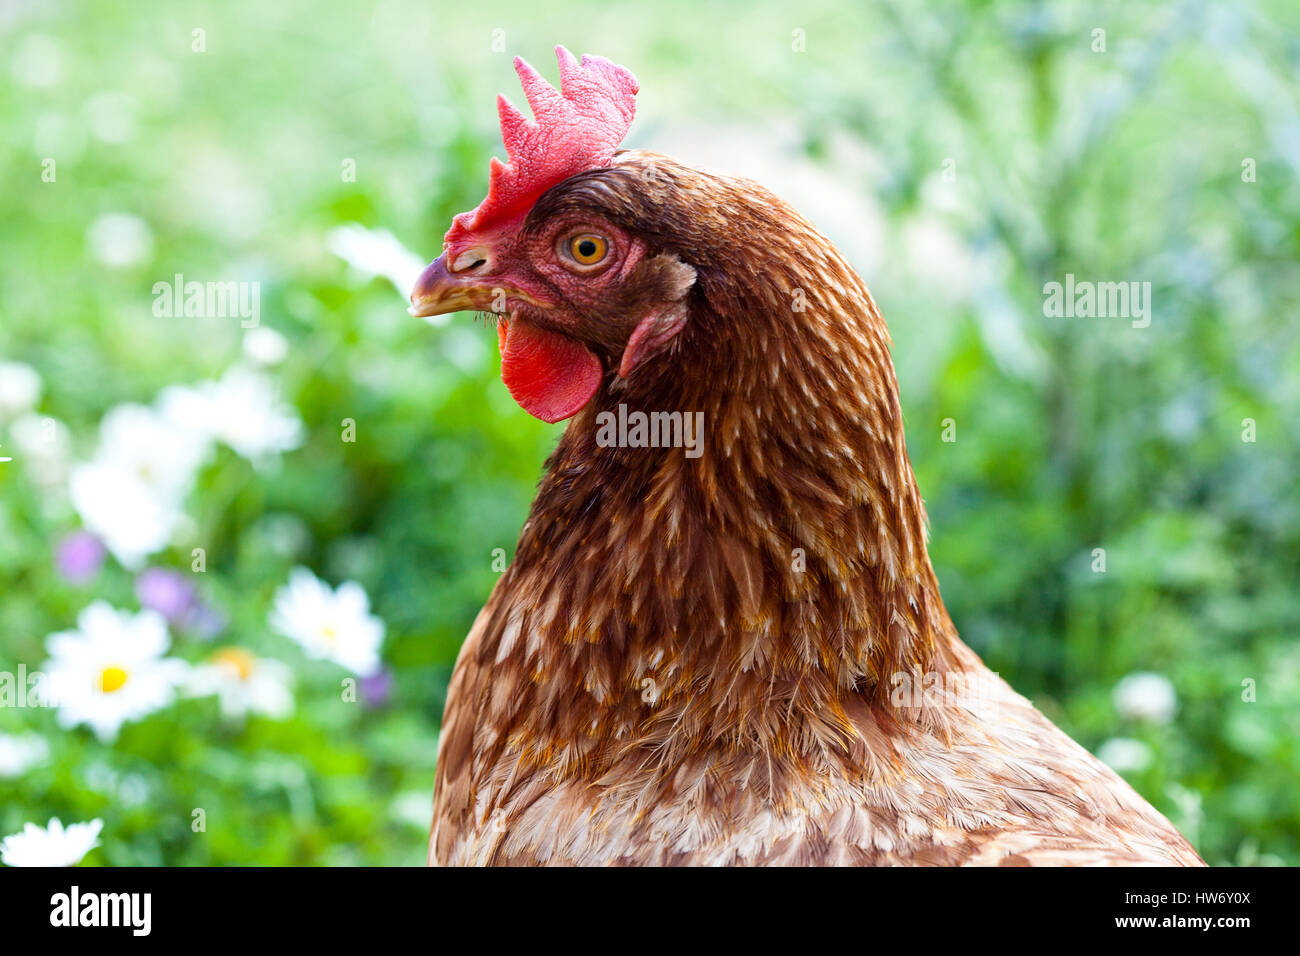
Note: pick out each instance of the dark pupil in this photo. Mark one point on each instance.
(586, 248)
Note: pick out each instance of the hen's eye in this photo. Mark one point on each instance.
(588, 249)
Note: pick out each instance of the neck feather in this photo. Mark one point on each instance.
(781, 572)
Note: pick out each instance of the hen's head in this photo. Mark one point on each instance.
(567, 249)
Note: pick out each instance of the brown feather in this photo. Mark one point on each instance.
(692, 660)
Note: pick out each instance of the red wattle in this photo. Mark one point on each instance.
(550, 375)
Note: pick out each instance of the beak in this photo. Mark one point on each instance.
(439, 290)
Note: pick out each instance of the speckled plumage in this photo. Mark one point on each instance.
(694, 660)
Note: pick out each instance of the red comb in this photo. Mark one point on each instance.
(576, 128)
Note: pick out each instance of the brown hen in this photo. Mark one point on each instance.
(723, 647)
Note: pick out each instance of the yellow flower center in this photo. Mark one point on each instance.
(236, 660)
(111, 679)
(329, 634)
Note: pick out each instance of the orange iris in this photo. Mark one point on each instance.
(588, 248)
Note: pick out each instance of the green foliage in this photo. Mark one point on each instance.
(1071, 434)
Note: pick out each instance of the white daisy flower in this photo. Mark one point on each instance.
(377, 252)
(1125, 754)
(329, 624)
(131, 518)
(120, 240)
(52, 845)
(242, 410)
(244, 684)
(20, 389)
(164, 455)
(20, 752)
(111, 116)
(1147, 697)
(130, 493)
(265, 346)
(38, 62)
(112, 669)
(45, 446)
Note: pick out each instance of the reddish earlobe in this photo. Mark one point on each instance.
(651, 334)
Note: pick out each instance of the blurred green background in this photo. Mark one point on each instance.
(961, 154)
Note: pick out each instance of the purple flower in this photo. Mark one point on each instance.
(79, 557)
(167, 592)
(377, 688)
(173, 595)
(205, 621)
